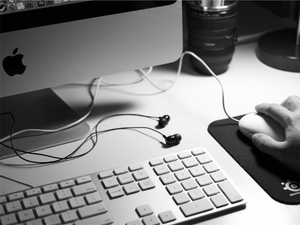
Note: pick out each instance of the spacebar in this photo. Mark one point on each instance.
(103, 219)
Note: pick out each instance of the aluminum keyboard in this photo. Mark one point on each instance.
(167, 190)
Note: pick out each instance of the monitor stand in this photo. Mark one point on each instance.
(41, 109)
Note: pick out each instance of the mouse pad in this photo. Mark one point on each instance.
(282, 184)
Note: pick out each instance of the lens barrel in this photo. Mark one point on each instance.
(212, 34)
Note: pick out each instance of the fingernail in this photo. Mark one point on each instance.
(255, 139)
(249, 135)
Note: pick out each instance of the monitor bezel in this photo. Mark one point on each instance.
(71, 12)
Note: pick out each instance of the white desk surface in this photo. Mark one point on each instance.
(193, 103)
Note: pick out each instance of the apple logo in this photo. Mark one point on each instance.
(13, 65)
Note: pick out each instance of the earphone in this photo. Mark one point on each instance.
(173, 139)
(163, 121)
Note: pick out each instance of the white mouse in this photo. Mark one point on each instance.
(253, 123)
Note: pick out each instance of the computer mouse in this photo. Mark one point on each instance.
(253, 123)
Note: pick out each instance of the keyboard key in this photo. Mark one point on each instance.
(210, 167)
(144, 210)
(13, 206)
(104, 219)
(174, 188)
(166, 217)
(196, 207)
(92, 210)
(131, 188)
(230, 192)
(198, 151)
(63, 194)
(60, 206)
(52, 220)
(43, 211)
(219, 201)
(8, 219)
(156, 162)
(167, 179)
(76, 202)
(140, 175)
(197, 171)
(93, 198)
(115, 192)
(120, 171)
(69, 216)
(125, 179)
(47, 198)
(204, 158)
(203, 180)
(218, 176)
(184, 155)
(2, 199)
(82, 180)
(189, 184)
(33, 192)
(170, 158)
(110, 182)
(51, 187)
(105, 174)
(135, 167)
(175, 166)
(16, 196)
(196, 194)
(182, 175)
(1, 210)
(146, 184)
(181, 198)
(30, 202)
(211, 190)
(150, 220)
(84, 189)
(190, 162)
(161, 169)
(67, 184)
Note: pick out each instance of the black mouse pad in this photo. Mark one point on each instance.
(282, 184)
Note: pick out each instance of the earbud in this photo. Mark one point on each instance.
(163, 120)
(173, 139)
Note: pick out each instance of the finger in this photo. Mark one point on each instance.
(276, 112)
(267, 145)
(292, 103)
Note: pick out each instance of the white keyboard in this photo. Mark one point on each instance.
(167, 190)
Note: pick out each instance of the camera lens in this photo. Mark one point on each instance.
(212, 34)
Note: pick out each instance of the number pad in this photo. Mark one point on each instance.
(195, 182)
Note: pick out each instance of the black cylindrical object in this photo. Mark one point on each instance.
(212, 33)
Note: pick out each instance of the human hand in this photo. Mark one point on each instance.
(288, 116)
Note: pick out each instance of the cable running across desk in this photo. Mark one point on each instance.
(95, 134)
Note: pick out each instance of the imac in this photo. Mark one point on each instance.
(50, 43)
